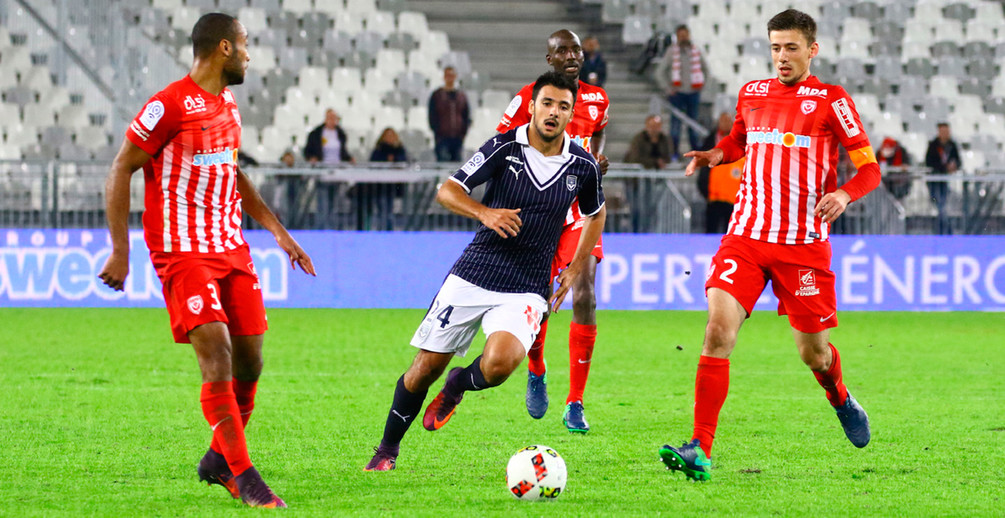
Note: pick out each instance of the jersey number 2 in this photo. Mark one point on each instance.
(729, 271)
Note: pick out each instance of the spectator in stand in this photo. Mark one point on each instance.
(943, 157)
(893, 159)
(594, 65)
(718, 184)
(650, 147)
(288, 160)
(326, 144)
(449, 118)
(681, 74)
(388, 148)
(375, 200)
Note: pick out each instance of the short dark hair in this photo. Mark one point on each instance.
(682, 27)
(210, 30)
(560, 81)
(791, 19)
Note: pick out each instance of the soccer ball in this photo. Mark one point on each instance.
(536, 472)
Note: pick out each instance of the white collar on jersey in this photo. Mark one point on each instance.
(521, 138)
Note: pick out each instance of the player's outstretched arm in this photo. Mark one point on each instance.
(255, 206)
(699, 159)
(592, 228)
(505, 222)
(127, 161)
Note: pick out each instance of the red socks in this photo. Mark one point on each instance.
(581, 341)
(710, 388)
(244, 391)
(535, 356)
(837, 393)
(220, 407)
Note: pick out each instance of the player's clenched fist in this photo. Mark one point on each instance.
(504, 222)
(115, 271)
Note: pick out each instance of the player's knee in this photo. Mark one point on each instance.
(496, 368)
(816, 361)
(719, 338)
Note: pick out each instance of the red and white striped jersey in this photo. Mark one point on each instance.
(589, 117)
(789, 135)
(191, 200)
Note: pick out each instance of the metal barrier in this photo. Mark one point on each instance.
(62, 194)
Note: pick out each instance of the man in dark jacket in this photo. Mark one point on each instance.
(326, 144)
(449, 118)
(943, 157)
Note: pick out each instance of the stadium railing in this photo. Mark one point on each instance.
(70, 194)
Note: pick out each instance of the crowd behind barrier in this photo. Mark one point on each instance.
(67, 194)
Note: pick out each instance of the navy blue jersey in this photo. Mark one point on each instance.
(520, 177)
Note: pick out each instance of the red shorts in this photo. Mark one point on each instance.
(204, 288)
(567, 244)
(800, 277)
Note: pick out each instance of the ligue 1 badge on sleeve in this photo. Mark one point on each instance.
(570, 182)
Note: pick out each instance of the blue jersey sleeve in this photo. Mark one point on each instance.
(591, 191)
(484, 164)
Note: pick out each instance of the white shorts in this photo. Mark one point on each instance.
(460, 307)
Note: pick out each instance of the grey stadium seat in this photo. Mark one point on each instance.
(951, 66)
(920, 67)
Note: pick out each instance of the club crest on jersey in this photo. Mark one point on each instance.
(594, 112)
(195, 304)
(807, 284)
(808, 106)
(571, 181)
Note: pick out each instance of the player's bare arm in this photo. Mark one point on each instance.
(505, 222)
(699, 159)
(253, 204)
(592, 228)
(597, 141)
(129, 159)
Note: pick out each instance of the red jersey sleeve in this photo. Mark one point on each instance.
(517, 113)
(602, 121)
(734, 145)
(156, 124)
(845, 123)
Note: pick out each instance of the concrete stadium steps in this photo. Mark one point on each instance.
(506, 39)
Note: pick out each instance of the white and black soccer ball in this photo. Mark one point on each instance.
(536, 473)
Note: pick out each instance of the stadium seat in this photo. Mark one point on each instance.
(231, 6)
(919, 29)
(39, 115)
(950, 30)
(995, 105)
(263, 60)
(751, 68)
(985, 142)
(975, 86)
(338, 41)
(915, 49)
(636, 30)
(363, 7)
(496, 100)
(184, 18)
(167, 5)
(21, 135)
(393, 6)
(461, 61)
(413, 23)
(990, 12)
(391, 61)
(435, 43)
(978, 50)
(981, 68)
(944, 86)
(711, 11)
(254, 20)
(419, 61)
(339, 101)
(276, 38)
(298, 6)
(389, 116)
(964, 127)
(369, 41)
(313, 80)
(380, 22)
(401, 40)
(936, 108)
(951, 66)
(347, 22)
(991, 125)
(377, 80)
(346, 80)
(290, 116)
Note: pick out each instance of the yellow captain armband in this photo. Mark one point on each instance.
(862, 156)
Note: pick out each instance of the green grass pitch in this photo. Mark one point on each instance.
(99, 415)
